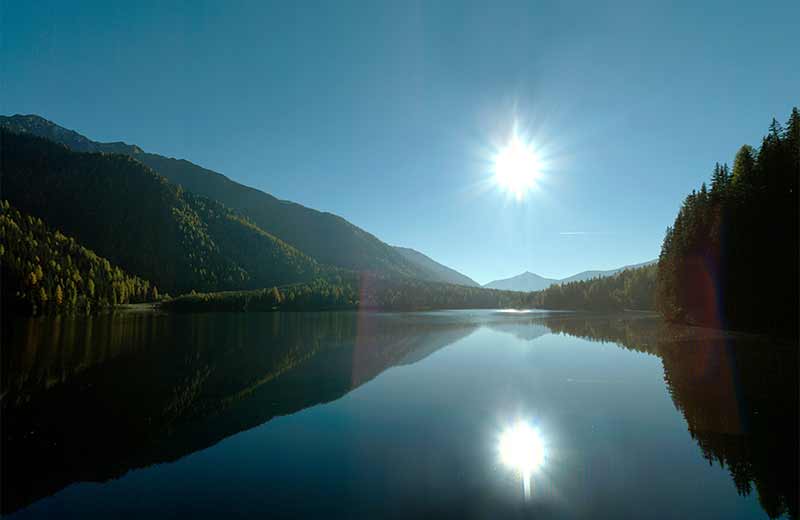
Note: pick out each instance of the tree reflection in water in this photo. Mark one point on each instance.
(88, 399)
(738, 394)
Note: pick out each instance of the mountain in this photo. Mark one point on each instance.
(127, 213)
(326, 237)
(588, 275)
(437, 271)
(41, 127)
(526, 282)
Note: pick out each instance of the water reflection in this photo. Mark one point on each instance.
(521, 448)
(89, 399)
(737, 393)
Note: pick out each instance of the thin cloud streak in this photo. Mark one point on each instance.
(578, 233)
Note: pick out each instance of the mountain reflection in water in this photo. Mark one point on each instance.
(89, 399)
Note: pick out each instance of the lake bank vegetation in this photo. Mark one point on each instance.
(727, 237)
(630, 289)
(352, 291)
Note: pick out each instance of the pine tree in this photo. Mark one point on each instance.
(717, 180)
(792, 138)
(744, 167)
(775, 130)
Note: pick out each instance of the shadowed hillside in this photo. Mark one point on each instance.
(129, 214)
(323, 236)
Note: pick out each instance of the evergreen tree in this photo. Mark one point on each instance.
(716, 256)
(744, 168)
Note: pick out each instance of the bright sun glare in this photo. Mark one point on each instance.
(521, 448)
(517, 167)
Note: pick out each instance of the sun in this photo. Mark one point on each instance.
(517, 167)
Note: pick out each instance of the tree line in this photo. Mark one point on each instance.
(730, 259)
(349, 290)
(632, 289)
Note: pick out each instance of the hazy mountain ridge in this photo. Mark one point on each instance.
(588, 275)
(441, 272)
(528, 281)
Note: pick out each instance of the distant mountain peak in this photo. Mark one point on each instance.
(526, 281)
(529, 281)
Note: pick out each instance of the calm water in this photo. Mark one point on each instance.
(363, 415)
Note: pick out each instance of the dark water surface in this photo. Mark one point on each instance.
(140, 415)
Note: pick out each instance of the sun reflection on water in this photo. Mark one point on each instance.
(521, 448)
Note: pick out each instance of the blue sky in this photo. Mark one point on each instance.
(387, 113)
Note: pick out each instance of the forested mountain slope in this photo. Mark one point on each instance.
(327, 238)
(44, 270)
(150, 227)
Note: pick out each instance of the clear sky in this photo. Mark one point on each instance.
(387, 113)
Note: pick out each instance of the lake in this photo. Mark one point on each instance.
(345, 414)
